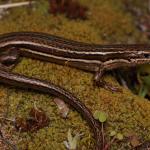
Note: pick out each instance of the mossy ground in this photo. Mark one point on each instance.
(107, 23)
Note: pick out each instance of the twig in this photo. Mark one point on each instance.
(6, 6)
(7, 119)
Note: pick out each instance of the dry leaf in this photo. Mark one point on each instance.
(37, 119)
(135, 141)
(71, 8)
(63, 108)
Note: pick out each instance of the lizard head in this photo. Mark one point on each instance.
(9, 57)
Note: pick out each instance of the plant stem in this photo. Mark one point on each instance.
(143, 91)
(103, 138)
(109, 144)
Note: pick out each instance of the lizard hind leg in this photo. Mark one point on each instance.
(9, 58)
(100, 82)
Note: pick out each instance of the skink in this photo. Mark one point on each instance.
(88, 57)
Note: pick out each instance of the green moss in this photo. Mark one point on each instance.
(107, 23)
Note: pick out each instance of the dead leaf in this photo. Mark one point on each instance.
(37, 119)
(63, 108)
(71, 8)
(135, 141)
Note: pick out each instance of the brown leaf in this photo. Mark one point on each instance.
(71, 8)
(135, 141)
(37, 119)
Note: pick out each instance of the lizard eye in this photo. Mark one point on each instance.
(147, 55)
(7, 61)
(9, 57)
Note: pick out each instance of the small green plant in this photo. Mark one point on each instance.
(143, 91)
(115, 136)
(144, 79)
(119, 136)
(102, 118)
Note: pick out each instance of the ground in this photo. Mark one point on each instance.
(107, 23)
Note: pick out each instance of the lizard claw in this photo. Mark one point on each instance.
(107, 86)
(98, 81)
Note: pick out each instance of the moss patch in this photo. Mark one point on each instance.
(107, 23)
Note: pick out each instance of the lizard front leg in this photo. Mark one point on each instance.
(110, 65)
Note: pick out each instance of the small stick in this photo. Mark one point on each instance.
(6, 6)
(7, 119)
